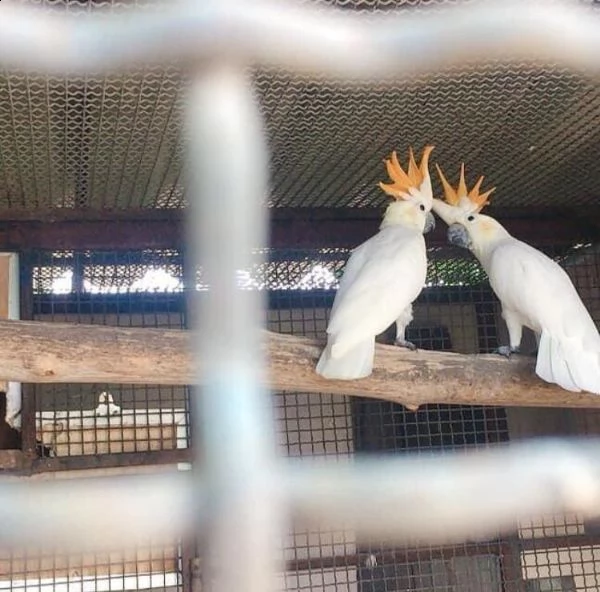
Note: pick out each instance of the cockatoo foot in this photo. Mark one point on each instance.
(506, 351)
(407, 344)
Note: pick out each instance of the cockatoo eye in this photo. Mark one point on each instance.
(422, 207)
(471, 218)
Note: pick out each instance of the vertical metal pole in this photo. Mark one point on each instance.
(228, 181)
(28, 394)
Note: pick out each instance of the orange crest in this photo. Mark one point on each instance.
(403, 181)
(461, 196)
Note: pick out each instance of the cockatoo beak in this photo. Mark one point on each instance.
(429, 223)
(458, 236)
(449, 214)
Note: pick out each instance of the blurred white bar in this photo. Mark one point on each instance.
(314, 40)
(437, 499)
(98, 513)
(235, 439)
(450, 498)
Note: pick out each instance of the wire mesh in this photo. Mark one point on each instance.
(48, 570)
(457, 311)
(126, 289)
(561, 552)
(95, 142)
(87, 426)
(339, 427)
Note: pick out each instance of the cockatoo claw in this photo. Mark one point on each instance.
(407, 344)
(506, 351)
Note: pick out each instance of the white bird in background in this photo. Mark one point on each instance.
(383, 276)
(534, 291)
(106, 405)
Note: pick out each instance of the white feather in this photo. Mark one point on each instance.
(382, 278)
(539, 291)
(355, 363)
(403, 321)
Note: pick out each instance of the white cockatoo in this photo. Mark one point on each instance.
(533, 289)
(106, 405)
(383, 276)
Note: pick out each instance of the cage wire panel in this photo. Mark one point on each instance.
(457, 311)
(112, 141)
(126, 289)
(155, 566)
(87, 426)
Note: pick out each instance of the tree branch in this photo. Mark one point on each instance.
(418, 378)
(59, 352)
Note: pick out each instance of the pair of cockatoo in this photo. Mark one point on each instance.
(386, 274)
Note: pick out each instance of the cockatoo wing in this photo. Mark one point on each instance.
(529, 283)
(537, 287)
(383, 276)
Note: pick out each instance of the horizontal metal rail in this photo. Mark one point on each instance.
(287, 35)
(432, 499)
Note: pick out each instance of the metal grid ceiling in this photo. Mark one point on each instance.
(115, 142)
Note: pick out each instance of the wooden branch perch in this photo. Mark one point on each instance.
(58, 352)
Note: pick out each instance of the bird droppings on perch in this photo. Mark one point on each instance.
(116, 355)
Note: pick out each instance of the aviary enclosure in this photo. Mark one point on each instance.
(93, 212)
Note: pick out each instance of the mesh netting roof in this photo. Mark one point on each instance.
(115, 142)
